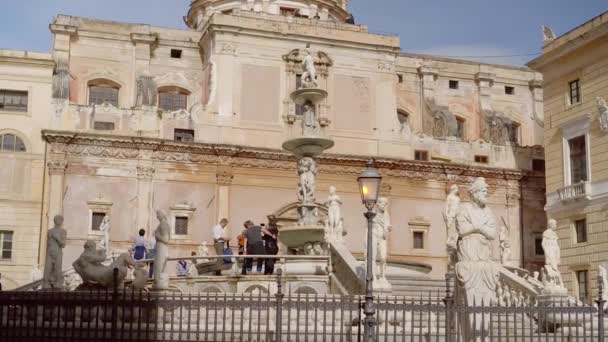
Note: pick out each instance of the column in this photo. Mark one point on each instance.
(145, 174)
(223, 178)
(56, 169)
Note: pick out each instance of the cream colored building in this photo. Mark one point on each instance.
(575, 70)
(192, 121)
(25, 109)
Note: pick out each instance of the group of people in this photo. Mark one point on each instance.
(254, 240)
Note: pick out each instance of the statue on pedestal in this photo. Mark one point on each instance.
(602, 107)
(161, 234)
(56, 239)
(380, 229)
(552, 278)
(449, 215)
(309, 121)
(90, 268)
(475, 270)
(307, 171)
(104, 227)
(309, 76)
(334, 217)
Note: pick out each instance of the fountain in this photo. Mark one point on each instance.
(307, 235)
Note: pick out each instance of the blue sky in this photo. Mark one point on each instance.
(443, 27)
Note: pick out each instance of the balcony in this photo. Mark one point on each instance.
(573, 192)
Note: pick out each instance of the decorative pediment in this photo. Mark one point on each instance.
(288, 215)
(294, 62)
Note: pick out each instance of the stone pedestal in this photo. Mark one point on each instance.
(306, 267)
(555, 320)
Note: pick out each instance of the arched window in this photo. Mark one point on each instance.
(103, 91)
(460, 127)
(172, 98)
(11, 143)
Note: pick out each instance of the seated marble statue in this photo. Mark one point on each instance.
(90, 268)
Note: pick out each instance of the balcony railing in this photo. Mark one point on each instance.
(576, 191)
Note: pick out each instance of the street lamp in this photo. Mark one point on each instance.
(369, 187)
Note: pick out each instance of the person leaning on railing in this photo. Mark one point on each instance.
(219, 240)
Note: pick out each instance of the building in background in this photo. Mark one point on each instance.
(192, 121)
(575, 70)
(25, 109)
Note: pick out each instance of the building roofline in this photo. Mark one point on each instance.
(559, 40)
(27, 57)
(463, 61)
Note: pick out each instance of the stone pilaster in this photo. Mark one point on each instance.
(223, 178)
(56, 169)
(145, 174)
(143, 46)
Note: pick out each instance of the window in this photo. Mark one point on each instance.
(453, 84)
(103, 126)
(6, 244)
(421, 155)
(481, 159)
(11, 143)
(13, 101)
(574, 92)
(582, 278)
(538, 246)
(181, 225)
(186, 135)
(460, 126)
(580, 227)
(176, 53)
(400, 78)
(103, 93)
(172, 99)
(287, 12)
(538, 165)
(509, 90)
(578, 159)
(96, 219)
(418, 240)
(513, 132)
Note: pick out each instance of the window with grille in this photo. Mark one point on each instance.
(181, 225)
(100, 94)
(176, 53)
(575, 92)
(6, 244)
(580, 227)
(13, 100)
(103, 126)
(11, 143)
(172, 100)
(186, 135)
(453, 84)
(421, 155)
(578, 159)
(418, 240)
(481, 159)
(582, 278)
(509, 90)
(96, 219)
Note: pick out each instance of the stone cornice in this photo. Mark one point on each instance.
(131, 147)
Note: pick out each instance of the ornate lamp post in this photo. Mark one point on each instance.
(369, 186)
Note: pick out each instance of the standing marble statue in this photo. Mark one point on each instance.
(55, 242)
(475, 270)
(552, 278)
(307, 172)
(449, 215)
(380, 229)
(309, 121)
(161, 234)
(504, 243)
(603, 279)
(309, 74)
(104, 227)
(602, 107)
(334, 217)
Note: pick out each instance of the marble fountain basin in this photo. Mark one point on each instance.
(297, 237)
(308, 146)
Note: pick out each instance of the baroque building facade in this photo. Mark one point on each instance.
(576, 125)
(192, 121)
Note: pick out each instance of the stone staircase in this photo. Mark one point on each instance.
(417, 287)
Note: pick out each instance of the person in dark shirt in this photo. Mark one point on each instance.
(350, 19)
(271, 247)
(254, 245)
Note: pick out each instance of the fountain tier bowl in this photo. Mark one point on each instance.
(297, 236)
(303, 95)
(308, 147)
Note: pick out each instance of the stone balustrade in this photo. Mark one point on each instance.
(576, 191)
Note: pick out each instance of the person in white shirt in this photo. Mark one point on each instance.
(219, 239)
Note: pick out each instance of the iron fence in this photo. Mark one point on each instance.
(123, 314)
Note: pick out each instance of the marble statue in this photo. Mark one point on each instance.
(334, 217)
(309, 121)
(161, 234)
(552, 278)
(380, 229)
(548, 34)
(90, 268)
(140, 276)
(203, 251)
(35, 273)
(307, 171)
(55, 242)
(104, 227)
(603, 278)
(504, 243)
(602, 107)
(449, 215)
(309, 76)
(475, 270)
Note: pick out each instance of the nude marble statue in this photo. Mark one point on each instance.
(161, 234)
(56, 239)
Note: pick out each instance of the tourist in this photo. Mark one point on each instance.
(219, 239)
(150, 254)
(271, 247)
(192, 270)
(182, 268)
(139, 246)
(254, 245)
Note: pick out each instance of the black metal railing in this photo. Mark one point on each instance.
(124, 314)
